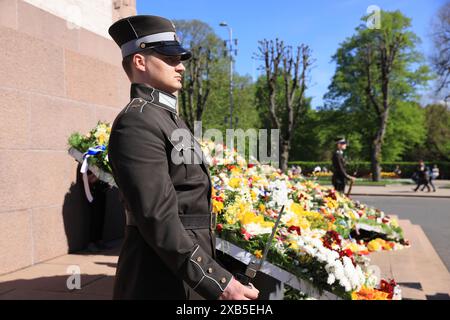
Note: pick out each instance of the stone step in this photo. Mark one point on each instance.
(418, 269)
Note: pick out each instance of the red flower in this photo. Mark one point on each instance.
(247, 236)
(330, 238)
(292, 229)
(219, 227)
(388, 287)
(332, 194)
(347, 252)
(250, 165)
(218, 198)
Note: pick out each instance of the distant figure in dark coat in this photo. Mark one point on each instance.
(340, 175)
(422, 177)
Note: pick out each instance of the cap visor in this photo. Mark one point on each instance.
(174, 50)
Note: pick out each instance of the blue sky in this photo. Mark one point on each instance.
(321, 24)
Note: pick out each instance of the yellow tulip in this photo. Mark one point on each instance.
(234, 182)
(217, 206)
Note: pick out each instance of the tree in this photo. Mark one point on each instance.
(438, 131)
(204, 65)
(218, 104)
(441, 57)
(285, 72)
(375, 74)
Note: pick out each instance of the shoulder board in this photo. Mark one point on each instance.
(137, 104)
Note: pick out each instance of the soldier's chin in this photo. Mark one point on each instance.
(177, 85)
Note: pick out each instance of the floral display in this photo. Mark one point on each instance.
(324, 237)
(97, 137)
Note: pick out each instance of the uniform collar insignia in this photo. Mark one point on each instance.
(162, 99)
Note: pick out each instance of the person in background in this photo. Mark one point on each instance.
(434, 173)
(340, 175)
(296, 170)
(397, 171)
(422, 177)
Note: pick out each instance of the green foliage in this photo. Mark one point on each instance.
(405, 130)
(438, 131)
(362, 168)
(218, 106)
(202, 40)
(360, 55)
(293, 294)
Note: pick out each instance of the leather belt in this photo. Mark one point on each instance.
(189, 221)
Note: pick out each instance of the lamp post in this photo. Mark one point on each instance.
(230, 49)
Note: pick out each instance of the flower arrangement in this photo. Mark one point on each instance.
(387, 175)
(324, 237)
(322, 174)
(97, 137)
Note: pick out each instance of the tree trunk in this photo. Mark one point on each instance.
(376, 148)
(376, 160)
(284, 158)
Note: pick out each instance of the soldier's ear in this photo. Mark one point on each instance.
(139, 62)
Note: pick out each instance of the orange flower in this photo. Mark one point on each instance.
(369, 294)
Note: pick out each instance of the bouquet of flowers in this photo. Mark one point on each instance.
(324, 237)
(96, 138)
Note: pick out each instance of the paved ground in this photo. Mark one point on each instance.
(48, 280)
(432, 214)
(418, 270)
(442, 190)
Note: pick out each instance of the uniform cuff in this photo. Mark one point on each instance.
(206, 276)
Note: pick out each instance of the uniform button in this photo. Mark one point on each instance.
(199, 259)
(223, 280)
(210, 270)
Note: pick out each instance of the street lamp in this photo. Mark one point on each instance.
(230, 49)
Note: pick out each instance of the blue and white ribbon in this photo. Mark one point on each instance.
(84, 168)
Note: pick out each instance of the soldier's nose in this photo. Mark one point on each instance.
(180, 68)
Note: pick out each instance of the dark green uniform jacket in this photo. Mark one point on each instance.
(339, 173)
(169, 245)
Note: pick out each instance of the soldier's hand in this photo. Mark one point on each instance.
(237, 291)
(353, 179)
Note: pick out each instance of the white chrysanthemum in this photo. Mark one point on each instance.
(279, 192)
(257, 229)
(331, 279)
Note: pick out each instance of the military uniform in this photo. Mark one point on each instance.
(340, 175)
(169, 246)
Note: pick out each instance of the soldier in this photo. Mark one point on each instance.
(339, 174)
(169, 246)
